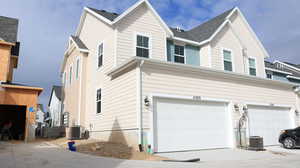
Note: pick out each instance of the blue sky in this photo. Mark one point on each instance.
(45, 26)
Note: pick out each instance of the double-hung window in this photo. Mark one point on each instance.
(77, 68)
(252, 66)
(269, 75)
(179, 54)
(70, 75)
(227, 56)
(100, 55)
(142, 46)
(98, 101)
(64, 79)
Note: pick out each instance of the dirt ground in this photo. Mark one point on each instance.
(107, 149)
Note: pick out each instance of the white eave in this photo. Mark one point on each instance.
(279, 71)
(293, 77)
(192, 68)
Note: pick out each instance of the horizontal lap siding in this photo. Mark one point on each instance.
(118, 104)
(171, 81)
(143, 21)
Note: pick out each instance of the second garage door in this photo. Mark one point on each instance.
(267, 121)
(190, 125)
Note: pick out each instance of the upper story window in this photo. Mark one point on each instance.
(64, 78)
(77, 68)
(100, 55)
(269, 75)
(142, 46)
(227, 57)
(98, 101)
(179, 54)
(252, 66)
(70, 75)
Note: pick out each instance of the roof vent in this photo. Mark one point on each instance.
(115, 13)
(179, 29)
(103, 10)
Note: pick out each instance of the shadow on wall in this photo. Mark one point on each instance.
(115, 147)
(117, 134)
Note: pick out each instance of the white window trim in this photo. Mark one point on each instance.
(184, 53)
(97, 55)
(98, 114)
(78, 67)
(232, 58)
(71, 70)
(248, 63)
(135, 43)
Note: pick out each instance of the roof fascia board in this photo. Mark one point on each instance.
(190, 41)
(293, 77)
(251, 31)
(218, 30)
(129, 10)
(279, 71)
(98, 16)
(297, 69)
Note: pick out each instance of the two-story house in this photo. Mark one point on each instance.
(18, 102)
(131, 78)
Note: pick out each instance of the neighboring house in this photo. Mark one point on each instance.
(55, 106)
(40, 115)
(18, 102)
(283, 71)
(130, 78)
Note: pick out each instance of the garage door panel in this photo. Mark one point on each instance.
(268, 121)
(190, 125)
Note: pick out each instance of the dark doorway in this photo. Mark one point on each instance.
(17, 116)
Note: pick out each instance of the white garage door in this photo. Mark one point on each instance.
(190, 125)
(268, 121)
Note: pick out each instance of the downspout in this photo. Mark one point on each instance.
(80, 83)
(140, 103)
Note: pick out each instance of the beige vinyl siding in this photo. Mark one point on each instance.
(118, 109)
(71, 91)
(227, 40)
(205, 55)
(162, 80)
(143, 21)
(253, 49)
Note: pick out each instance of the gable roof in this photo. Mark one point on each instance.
(294, 65)
(113, 18)
(57, 90)
(8, 29)
(79, 44)
(199, 35)
(205, 30)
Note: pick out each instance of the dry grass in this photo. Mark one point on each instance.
(107, 149)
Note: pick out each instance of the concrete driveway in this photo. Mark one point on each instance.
(48, 156)
(275, 152)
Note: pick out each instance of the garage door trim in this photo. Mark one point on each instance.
(151, 136)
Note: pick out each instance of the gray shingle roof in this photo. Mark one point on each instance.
(198, 34)
(79, 43)
(205, 30)
(108, 15)
(8, 29)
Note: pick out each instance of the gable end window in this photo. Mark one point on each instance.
(100, 55)
(179, 54)
(98, 101)
(142, 46)
(252, 66)
(227, 56)
(70, 75)
(77, 68)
